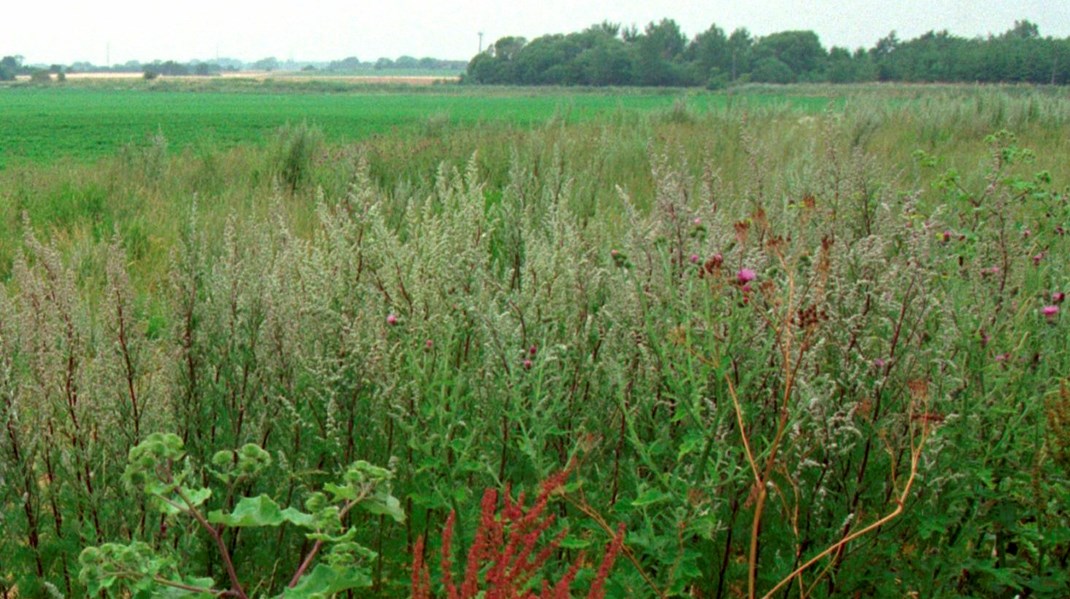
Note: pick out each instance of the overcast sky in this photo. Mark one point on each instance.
(65, 31)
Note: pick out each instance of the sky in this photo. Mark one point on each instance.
(115, 31)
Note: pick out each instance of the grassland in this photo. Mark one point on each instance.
(797, 341)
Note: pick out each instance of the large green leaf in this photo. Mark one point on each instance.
(325, 581)
(383, 503)
(259, 511)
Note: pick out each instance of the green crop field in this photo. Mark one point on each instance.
(308, 339)
(45, 124)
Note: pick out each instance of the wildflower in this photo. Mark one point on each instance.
(533, 350)
(1058, 297)
(429, 345)
(528, 364)
(713, 263)
(391, 319)
(879, 363)
(990, 271)
(947, 236)
(1003, 357)
(1026, 234)
(694, 258)
(1038, 258)
(745, 275)
(1050, 312)
(613, 253)
(697, 222)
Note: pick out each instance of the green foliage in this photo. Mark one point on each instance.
(295, 149)
(160, 468)
(488, 303)
(662, 56)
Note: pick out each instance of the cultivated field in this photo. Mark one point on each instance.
(802, 342)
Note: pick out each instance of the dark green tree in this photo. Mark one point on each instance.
(800, 51)
(660, 53)
(9, 67)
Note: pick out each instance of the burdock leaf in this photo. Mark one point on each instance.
(259, 511)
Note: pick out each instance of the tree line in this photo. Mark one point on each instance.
(13, 66)
(661, 55)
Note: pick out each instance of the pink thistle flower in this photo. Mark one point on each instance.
(1038, 258)
(391, 319)
(694, 258)
(533, 350)
(429, 345)
(697, 222)
(947, 236)
(1050, 312)
(1058, 297)
(990, 271)
(745, 275)
(528, 364)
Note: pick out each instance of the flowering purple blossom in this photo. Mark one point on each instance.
(1050, 312)
(528, 364)
(1058, 297)
(391, 319)
(697, 222)
(429, 345)
(745, 275)
(694, 258)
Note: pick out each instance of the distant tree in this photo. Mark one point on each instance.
(741, 50)
(710, 55)
(406, 62)
(771, 69)
(9, 67)
(346, 65)
(800, 51)
(384, 63)
(205, 69)
(1023, 30)
(607, 60)
(40, 76)
(660, 53)
(883, 57)
(266, 64)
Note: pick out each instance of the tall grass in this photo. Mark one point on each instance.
(786, 351)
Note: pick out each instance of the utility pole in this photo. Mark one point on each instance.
(480, 42)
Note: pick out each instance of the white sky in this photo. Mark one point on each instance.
(65, 31)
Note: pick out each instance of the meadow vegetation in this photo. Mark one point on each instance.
(744, 345)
